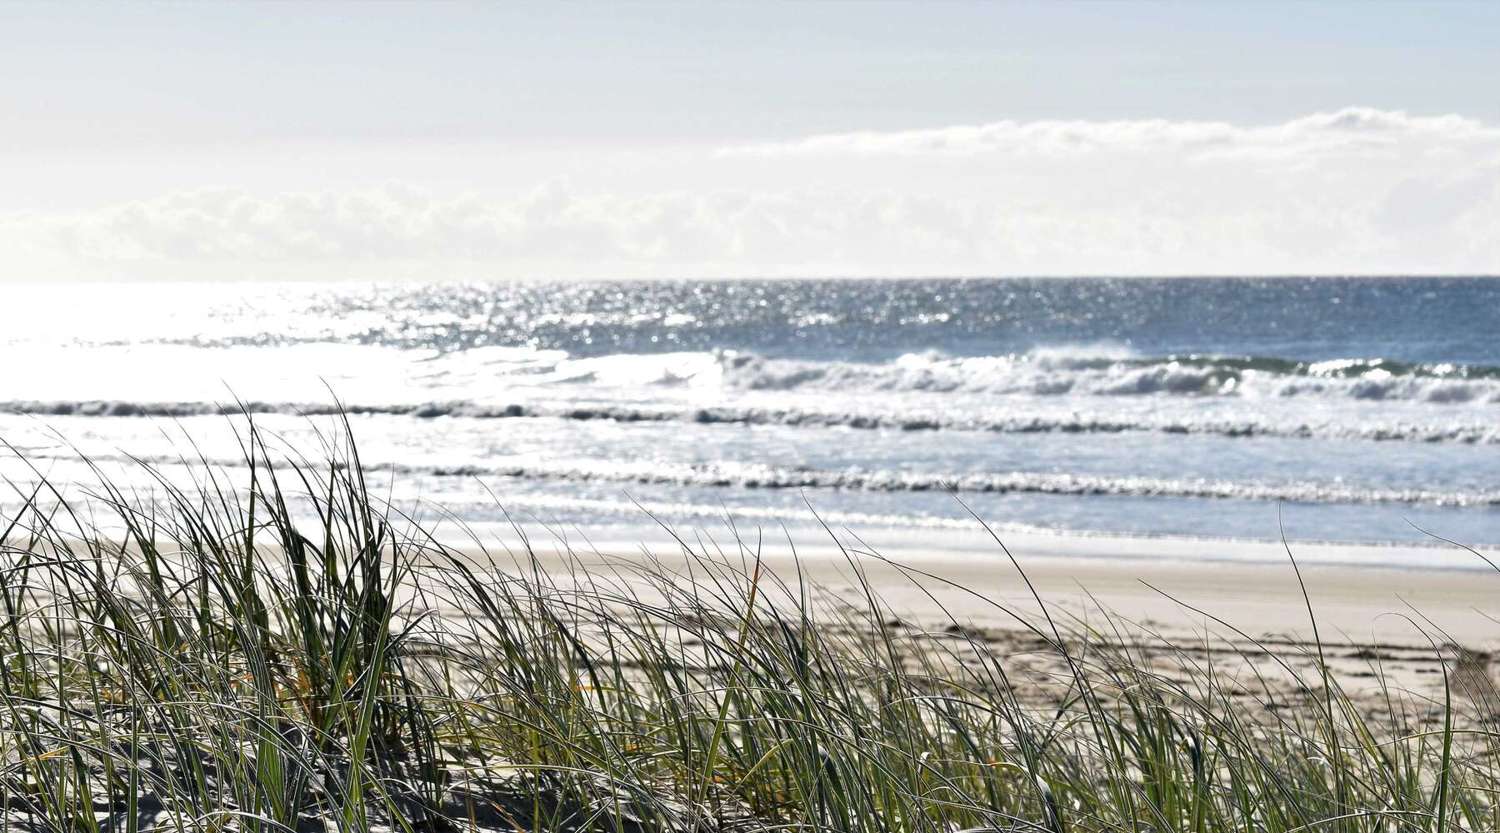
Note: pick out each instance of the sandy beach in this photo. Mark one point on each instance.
(1238, 602)
(1175, 585)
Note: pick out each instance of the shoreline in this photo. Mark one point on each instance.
(1155, 582)
(965, 537)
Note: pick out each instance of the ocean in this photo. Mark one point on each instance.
(1348, 410)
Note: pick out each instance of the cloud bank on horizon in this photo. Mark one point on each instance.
(1339, 133)
(1357, 190)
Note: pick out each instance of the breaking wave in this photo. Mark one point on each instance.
(992, 420)
(761, 476)
(753, 476)
(758, 476)
(1068, 372)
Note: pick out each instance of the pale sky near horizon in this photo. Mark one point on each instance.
(378, 141)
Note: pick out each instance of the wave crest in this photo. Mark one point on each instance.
(727, 474)
(1052, 373)
(1470, 433)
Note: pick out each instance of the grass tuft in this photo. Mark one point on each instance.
(292, 653)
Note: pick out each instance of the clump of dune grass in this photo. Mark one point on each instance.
(289, 652)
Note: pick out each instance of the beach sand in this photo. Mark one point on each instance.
(1356, 592)
(1240, 602)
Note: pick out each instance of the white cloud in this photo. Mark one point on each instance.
(1355, 191)
(1348, 131)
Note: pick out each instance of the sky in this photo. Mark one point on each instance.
(378, 141)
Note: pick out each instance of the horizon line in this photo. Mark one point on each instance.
(776, 278)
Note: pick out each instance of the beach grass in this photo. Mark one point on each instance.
(281, 649)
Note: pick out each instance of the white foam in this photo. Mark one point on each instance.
(1108, 373)
(742, 475)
